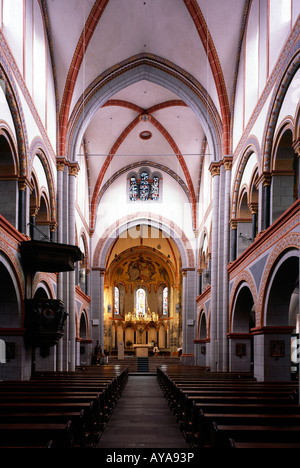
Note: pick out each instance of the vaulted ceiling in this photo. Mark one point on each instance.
(200, 39)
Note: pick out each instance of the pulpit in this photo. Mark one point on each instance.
(44, 322)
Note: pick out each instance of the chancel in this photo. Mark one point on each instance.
(149, 224)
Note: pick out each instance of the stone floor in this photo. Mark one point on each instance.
(142, 419)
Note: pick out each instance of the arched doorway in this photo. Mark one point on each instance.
(84, 347)
(202, 340)
(142, 292)
(281, 316)
(17, 362)
(241, 352)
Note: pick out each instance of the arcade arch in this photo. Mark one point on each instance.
(137, 310)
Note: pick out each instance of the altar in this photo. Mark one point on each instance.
(141, 350)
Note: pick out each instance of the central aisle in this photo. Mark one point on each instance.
(142, 419)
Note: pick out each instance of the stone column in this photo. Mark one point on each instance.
(199, 282)
(296, 147)
(184, 312)
(96, 297)
(22, 207)
(226, 257)
(33, 214)
(214, 348)
(254, 211)
(61, 164)
(73, 172)
(188, 315)
(266, 180)
(233, 249)
(101, 308)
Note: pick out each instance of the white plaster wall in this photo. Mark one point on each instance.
(251, 63)
(24, 31)
(115, 206)
(291, 101)
(280, 28)
(13, 28)
(266, 35)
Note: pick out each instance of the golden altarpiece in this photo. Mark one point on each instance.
(142, 295)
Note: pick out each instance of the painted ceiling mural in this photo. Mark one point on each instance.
(141, 269)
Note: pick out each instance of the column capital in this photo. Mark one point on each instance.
(253, 207)
(34, 209)
(265, 178)
(23, 183)
(102, 271)
(61, 164)
(233, 223)
(296, 146)
(53, 226)
(214, 169)
(185, 270)
(74, 169)
(227, 161)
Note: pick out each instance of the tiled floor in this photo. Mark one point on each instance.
(142, 419)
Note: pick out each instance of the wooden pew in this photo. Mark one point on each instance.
(91, 433)
(263, 445)
(250, 418)
(185, 417)
(201, 402)
(34, 435)
(80, 430)
(79, 402)
(241, 433)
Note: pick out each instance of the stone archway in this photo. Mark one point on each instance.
(241, 352)
(280, 316)
(183, 299)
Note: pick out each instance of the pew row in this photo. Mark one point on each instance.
(210, 408)
(73, 408)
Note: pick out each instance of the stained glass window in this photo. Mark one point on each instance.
(155, 189)
(117, 301)
(145, 187)
(165, 301)
(141, 301)
(133, 189)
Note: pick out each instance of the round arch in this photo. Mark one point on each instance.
(282, 283)
(245, 279)
(288, 243)
(252, 147)
(42, 282)
(37, 150)
(11, 295)
(242, 317)
(202, 326)
(156, 70)
(274, 108)
(117, 229)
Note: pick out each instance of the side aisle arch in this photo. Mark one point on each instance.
(37, 149)
(290, 243)
(276, 103)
